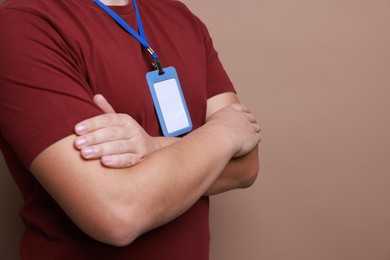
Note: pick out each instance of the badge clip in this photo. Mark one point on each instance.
(156, 62)
(157, 65)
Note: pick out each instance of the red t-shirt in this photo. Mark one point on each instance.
(55, 55)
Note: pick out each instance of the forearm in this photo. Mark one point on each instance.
(239, 173)
(117, 205)
(192, 165)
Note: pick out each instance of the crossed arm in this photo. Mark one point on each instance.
(116, 205)
(118, 141)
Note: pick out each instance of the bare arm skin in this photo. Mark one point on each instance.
(115, 206)
(118, 141)
(240, 172)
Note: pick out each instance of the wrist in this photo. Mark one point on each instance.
(222, 137)
(161, 142)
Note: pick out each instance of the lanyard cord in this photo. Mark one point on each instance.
(141, 36)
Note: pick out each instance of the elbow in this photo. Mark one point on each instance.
(119, 237)
(116, 229)
(250, 176)
(251, 172)
(117, 222)
(128, 226)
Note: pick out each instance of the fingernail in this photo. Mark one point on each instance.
(81, 141)
(80, 128)
(88, 152)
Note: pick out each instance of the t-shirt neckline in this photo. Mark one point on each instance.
(123, 9)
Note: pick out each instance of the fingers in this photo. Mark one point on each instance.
(97, 122)
(116, 139)
(110, 148)
(103, 104)
(253, 136)
(239, 107)
(113, 155)
(102, 135)
(120, 160)
(254, 122)
(102, 121)
(248, 114)
(244, 109)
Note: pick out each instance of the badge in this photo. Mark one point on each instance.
(169, 102)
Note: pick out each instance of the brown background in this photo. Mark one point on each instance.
(317, 76)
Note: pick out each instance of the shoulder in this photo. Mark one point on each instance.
(34, 18)
(32, 6)
(43, 8)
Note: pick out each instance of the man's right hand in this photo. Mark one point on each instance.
(117, 140)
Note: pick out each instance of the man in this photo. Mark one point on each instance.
(109, 186)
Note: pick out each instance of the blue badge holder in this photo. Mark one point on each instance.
(169, 102)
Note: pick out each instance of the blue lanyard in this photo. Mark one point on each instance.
(141, 36)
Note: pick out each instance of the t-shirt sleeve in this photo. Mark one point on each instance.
(217, 79)
(43, 90)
